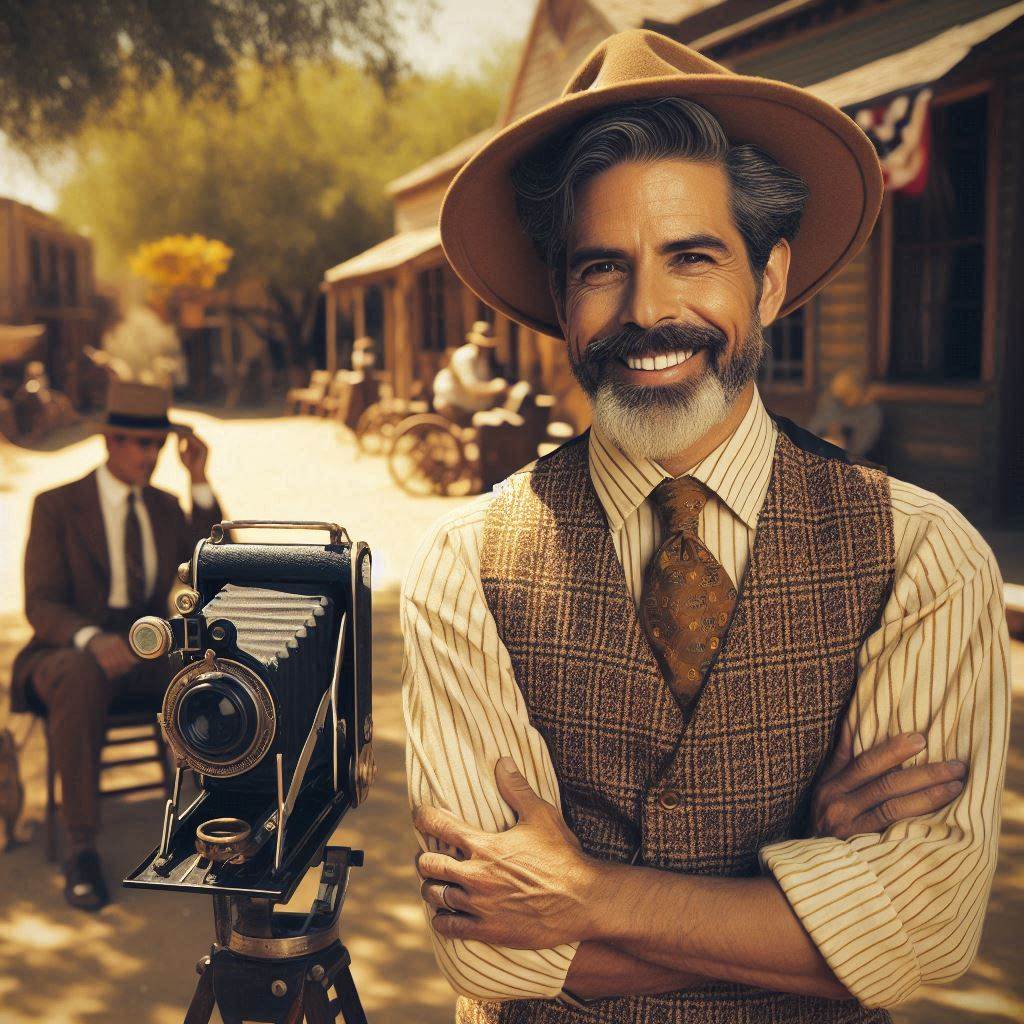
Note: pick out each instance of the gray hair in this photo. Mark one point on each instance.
(766, 200)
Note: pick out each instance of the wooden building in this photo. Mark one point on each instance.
(47, 277)
(931, 311)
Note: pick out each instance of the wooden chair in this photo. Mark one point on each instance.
(129, 721)
(308, 399)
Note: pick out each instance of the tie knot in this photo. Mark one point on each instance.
(679, 502)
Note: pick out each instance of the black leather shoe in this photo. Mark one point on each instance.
(84, 886)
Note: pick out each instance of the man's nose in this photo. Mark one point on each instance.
(651, 298)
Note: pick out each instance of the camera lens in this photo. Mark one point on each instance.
(217, 718)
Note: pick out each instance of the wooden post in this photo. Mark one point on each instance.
(358, 312)
(332, 329)
(401, 356)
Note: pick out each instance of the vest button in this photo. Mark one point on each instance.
(669, 799)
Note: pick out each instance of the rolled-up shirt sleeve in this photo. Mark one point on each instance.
(895, 910)
(463, 711)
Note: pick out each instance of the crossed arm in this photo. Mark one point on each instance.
(911, 878)
(644, 930)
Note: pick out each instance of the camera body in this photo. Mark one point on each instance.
(269, 707)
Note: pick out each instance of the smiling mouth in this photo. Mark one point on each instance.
(662, 361)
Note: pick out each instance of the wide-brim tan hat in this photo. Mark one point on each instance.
(490, 252)
(139, 409)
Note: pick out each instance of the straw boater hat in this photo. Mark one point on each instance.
(482, 334)
(135, 408)
(815, 140)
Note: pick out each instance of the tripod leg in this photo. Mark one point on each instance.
(200, 1010)
(294, 1015)
(348, 998)
(318, 1006)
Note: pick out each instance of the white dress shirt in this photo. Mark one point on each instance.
(889, 911)
(113, 495)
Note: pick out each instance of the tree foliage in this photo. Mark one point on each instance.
(63, 61)
(291, 175)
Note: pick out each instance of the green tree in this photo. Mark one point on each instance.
(63, 61)
(291, 174)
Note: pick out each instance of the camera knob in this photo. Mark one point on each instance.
(150, 637)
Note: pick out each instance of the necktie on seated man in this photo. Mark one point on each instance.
(687, 597)
(134, 561)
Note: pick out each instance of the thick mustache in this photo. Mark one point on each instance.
(634, 341)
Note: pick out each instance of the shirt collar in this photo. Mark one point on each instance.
(113, 492)
(738, 470)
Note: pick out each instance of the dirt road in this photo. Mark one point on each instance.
(134, 962)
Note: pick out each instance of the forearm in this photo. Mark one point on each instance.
(731, 929)
(600, 971)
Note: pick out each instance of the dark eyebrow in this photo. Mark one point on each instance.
(597, 252)
(696, 242)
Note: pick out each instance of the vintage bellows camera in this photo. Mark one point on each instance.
(269, 706)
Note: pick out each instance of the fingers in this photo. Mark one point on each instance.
(516, 791)
(445, 896)
(441, 825)
(903, 782)
(877, 761)
(924, 801)
(436, 867)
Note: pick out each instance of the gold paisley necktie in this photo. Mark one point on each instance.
(687, 596)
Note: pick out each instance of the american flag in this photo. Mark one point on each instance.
(899, 131)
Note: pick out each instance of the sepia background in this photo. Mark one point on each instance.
(222, 197)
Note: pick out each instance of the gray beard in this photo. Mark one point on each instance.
(661, 430)
(658, 423)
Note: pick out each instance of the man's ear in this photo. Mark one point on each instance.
(773, 283)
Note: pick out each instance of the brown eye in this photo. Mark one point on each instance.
(604, 267)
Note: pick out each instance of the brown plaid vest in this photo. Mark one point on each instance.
(819, 574)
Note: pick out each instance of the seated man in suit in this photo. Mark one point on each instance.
(103, 551)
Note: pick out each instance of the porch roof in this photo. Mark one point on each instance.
(920, 65)
(386, 255)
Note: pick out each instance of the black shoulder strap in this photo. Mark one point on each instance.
(809, 442)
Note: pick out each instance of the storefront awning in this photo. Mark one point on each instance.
(386, 255)
(920, 65)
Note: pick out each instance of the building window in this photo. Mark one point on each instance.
(785, 364)
(937, 315)
(35, 261)
(432, 307)
(52, 294)
(71, 277)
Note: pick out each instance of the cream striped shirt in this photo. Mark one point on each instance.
(888, 911)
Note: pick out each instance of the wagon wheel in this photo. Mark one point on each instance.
(375, 427)
(428, 457)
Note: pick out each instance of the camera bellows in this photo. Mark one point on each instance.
(269, 624)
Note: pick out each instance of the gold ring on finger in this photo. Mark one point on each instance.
(444, 895)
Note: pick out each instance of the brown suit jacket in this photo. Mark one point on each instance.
(67, 567)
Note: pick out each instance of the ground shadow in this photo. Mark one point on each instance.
(135, 961)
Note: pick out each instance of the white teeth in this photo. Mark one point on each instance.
(659, 362)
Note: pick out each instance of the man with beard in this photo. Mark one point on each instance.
(659, 687)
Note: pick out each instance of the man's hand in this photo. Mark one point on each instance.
(193, 453)
(112, 652)
(527, 888)
(871, 792)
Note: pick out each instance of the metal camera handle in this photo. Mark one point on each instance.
(221, 532)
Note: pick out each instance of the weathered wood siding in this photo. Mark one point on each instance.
(551, 61)
(420, 209)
